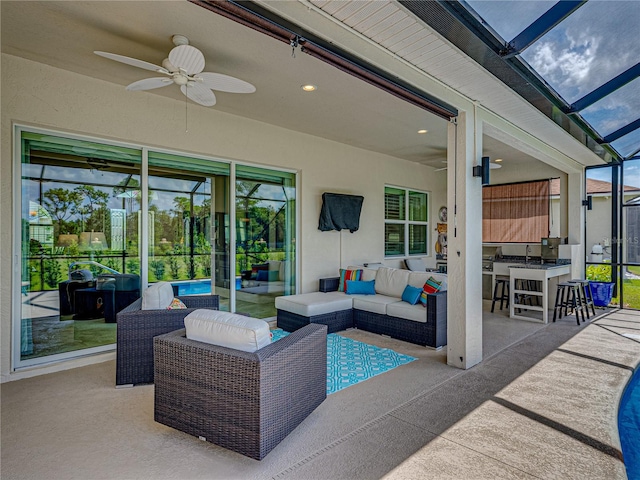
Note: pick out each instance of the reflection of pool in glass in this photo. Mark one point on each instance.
(193, 287)
(199, 287)
(629, 427)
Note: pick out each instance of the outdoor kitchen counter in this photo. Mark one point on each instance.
(539, 272)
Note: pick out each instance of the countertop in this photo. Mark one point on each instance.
(534, 262)
(540, 266)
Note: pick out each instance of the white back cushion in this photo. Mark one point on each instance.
(368, 274)
(227, 330)
(418, 279)
(158, 296)
(391, 281)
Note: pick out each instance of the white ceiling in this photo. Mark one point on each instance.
(64, 34)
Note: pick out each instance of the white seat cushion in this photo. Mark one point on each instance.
(373, 303)
(157, 297)
(417, 313)
(227, 330)
(314, 303)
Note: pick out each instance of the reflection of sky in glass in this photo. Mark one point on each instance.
(177, 187)
(508, 18)
(83, 176)
(173, 184)
(274, 192)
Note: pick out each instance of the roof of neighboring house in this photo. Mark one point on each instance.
(593, 187)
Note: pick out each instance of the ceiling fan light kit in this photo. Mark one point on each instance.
(184, 67)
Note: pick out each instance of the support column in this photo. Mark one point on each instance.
(464, 259)
(576, 218)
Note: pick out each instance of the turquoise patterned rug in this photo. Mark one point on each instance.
(350, 362)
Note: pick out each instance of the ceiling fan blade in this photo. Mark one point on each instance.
(225, 83)
(150, 83)
(199, 94)
(131, 61)
(188, 58)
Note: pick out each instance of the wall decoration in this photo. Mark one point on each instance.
(441, 243)
(442, 214)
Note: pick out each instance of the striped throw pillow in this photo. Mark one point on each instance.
(431, 286)
(345, 275)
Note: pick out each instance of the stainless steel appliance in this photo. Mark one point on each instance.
(489, 255)
(549, 249)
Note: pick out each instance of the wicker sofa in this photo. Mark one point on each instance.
(135, 332)
(246, 402)
(383, 313)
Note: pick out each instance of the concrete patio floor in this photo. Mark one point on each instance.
(542, 404)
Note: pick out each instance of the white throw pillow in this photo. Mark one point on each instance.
(227, 330)
(157, 297)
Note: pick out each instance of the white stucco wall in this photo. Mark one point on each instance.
(39, 95)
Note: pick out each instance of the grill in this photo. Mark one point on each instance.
(489, 254)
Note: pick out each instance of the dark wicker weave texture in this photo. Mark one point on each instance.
(136, 329)
(335, 321)
(246, 402)
(432, 333)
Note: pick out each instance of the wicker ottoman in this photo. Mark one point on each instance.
(333, 309)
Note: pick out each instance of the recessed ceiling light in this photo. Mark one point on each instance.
(498, 160)
(309, 88)
(423, 131)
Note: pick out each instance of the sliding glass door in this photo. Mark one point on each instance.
(188, 224)
(78, 218)
(265, 239)
(96, 222)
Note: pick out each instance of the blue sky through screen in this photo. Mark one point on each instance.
(600, 40)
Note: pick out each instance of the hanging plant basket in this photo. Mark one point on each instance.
(602, 293)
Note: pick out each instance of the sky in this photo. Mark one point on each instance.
(598, 41)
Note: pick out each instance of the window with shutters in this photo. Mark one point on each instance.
(405, 222)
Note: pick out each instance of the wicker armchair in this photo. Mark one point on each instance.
(136, 329)
(246, 402)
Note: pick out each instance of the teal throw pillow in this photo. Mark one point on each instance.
(411, 294)
(359, 287)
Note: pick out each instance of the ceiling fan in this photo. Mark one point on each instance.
(184, 67)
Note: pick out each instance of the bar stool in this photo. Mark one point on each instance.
(503, 282)
(567, 296)
(587, 294)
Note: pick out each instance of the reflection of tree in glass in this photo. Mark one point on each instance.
(52, 272)
(261, 222)
(174, 266)
(60, 203)
(157, 267)
(92, 214)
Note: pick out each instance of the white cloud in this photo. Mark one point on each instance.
(569, 66)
